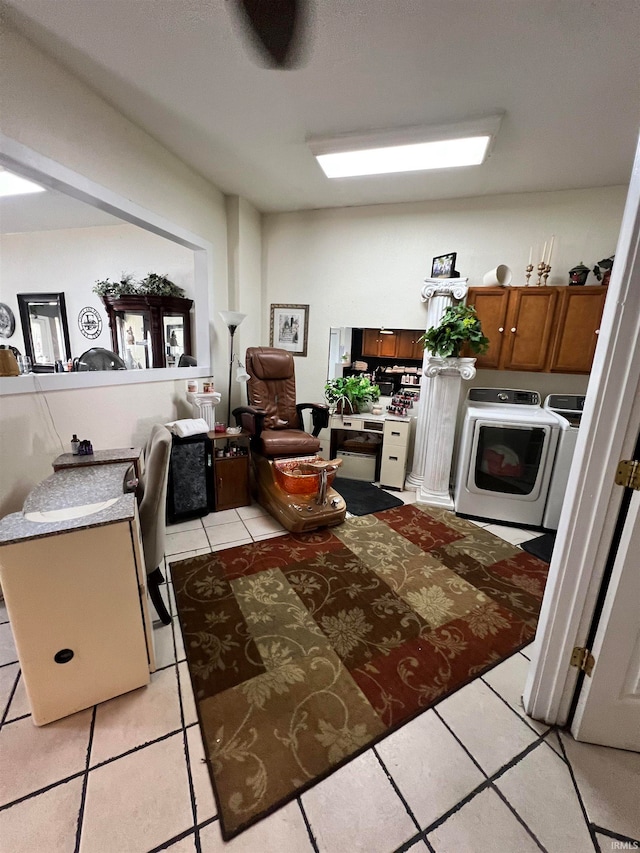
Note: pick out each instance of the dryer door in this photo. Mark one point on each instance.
(509, 460)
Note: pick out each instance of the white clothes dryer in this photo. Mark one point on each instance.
(507, 450)
(568, 409)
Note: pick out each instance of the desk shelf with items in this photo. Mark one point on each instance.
(358, 442)
(372, 449)
(231, 464)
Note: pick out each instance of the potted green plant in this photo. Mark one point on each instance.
(151, 285)
(459, 325)
(125, 287)
(351, 394)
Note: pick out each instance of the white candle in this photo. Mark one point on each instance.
(544, 251)
(530, 254)
(553, 237)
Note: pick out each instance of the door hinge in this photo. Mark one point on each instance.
(628, 474)
(583, 659)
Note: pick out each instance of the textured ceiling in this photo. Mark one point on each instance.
(565, 73)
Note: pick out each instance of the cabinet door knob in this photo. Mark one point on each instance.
(597, 331)
(501, 329)
(513, 330)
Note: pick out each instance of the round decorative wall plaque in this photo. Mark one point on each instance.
(90, 322)
(7, 321)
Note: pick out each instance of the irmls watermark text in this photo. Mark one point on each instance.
(625, 845)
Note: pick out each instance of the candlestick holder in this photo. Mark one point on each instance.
(545, 274)
(527, 275)
(541, 268)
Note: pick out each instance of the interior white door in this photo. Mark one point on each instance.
(608, 433)
(608, 711)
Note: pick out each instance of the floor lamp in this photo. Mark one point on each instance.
(232, 320)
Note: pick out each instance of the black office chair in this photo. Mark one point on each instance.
(98, 358)
(187, 361)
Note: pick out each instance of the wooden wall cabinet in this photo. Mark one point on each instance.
(408, 344)
(550, 329)
(579, 314)
(491, 304)
(402, 343)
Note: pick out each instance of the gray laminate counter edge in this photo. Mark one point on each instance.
(72, 487)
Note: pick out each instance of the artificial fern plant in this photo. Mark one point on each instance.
(459, 325)
(152, 285)
(351, 393)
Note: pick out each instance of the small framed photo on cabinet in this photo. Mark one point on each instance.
(444, 266)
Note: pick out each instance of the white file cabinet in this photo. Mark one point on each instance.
(395, 445)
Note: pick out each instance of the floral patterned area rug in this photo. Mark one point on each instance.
(306, 649)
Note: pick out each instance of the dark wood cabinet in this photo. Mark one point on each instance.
(231, 479)
(396, 343)
(370, 342)
(408, 345)
(231, 473)
(550, 329)
(149, 331)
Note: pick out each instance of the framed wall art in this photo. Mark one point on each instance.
(289, 328)
(90, 323)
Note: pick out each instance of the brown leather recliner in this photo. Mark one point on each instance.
(273, 417)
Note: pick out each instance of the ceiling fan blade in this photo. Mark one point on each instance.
(274, 24)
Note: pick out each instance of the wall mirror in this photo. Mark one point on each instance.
(390, 357)
(45, 329)
(79, 232)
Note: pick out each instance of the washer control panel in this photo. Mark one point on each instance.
(504, 396)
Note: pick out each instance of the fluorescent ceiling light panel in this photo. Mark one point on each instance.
(405, 158)
(11, 184)
(408, 150)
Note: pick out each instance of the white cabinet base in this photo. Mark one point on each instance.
(79, 617)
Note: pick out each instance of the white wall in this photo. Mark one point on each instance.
(72, 260)
(244, 250)
(365, 266)
(52, 112)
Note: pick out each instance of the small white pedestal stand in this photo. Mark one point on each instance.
(439, 293)
(204, 406)
(444, 376)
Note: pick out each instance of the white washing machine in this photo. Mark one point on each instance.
(568, 409)
(507, 450)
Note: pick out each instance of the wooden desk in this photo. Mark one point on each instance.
(391, 453)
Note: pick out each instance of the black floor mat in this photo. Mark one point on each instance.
(541, 546)
(363, 498)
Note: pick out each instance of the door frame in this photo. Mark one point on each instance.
(592, 501)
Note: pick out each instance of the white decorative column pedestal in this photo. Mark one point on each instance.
(444, 376)
(204, 406)
(440, 294)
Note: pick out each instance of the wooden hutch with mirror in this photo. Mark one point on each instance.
(149, 331)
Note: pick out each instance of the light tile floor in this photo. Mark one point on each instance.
(471, 774)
